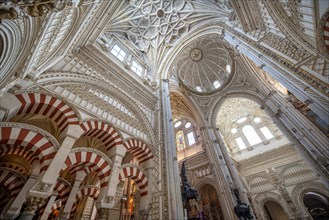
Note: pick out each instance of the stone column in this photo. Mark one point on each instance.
(11, 211)
(32, 204)
(231, 168)
(308, 140)
(108, 201)
(222, 173)
(280, 73)
(47, 210)
(145, 200)
(172, 181)
(75, 188)
(51, 175)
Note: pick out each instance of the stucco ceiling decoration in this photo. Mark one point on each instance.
(233, 109)
(154, 26)
(179, 108)
(205, 65)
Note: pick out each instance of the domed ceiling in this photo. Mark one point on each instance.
(205, 65)
(154, 27)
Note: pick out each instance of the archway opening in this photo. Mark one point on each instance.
(274, 211)
(211, 207)
(317, 205)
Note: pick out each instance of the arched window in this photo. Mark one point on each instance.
(266, 132)
(180, 140)
(190, 138)
(251, 135)
(240, 143)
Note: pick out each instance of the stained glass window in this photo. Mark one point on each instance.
(180, 140)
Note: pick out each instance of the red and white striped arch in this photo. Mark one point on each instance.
(326, 33)
(137, 175)
(105, 132)
(78, 161)
(139, 149)
(63, 189)
(90, 191)
(51, 107)
(11, 182)
(27, 143)
(57, 204)
(73, 209)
